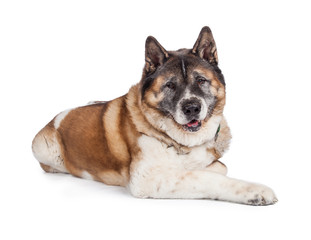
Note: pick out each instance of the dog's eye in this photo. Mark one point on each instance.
(170, 85)
(202, 80)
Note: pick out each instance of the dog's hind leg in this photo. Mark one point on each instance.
(49, 169)
(47, 149)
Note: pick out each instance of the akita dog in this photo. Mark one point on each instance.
(163, 139)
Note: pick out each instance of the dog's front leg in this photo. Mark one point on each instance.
(217, 167)
(177, 183)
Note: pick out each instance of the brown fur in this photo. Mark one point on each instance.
(102, 138)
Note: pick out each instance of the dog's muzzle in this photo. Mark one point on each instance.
(191, 109)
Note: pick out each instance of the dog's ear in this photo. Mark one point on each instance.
(155, 54)
(205, 46)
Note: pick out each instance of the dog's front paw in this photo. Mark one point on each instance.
(259, 195)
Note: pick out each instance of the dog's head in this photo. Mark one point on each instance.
(181, 90)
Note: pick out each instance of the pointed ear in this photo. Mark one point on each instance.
(155, 54)
(205, 46)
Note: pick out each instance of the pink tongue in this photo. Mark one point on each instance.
(193, 123)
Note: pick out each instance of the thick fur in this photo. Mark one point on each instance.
(163, 139)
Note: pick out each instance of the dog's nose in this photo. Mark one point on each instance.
(191, 108)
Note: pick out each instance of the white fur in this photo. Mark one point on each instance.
(91, 102)
(46, 150)
(205, 134)
(60, 117)
(95, 102)
(86, 175)
(162, 173)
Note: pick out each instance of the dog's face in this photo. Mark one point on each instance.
(185, 86)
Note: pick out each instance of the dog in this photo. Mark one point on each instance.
(163, 139)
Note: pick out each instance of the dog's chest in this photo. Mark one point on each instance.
(158, 154)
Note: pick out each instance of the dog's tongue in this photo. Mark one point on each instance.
(193, 123)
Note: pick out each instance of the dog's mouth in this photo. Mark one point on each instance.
(192, 126)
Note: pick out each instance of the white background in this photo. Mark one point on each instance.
(60, 54)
